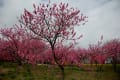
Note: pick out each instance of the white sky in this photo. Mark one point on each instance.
(104, 16)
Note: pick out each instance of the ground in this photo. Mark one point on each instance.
(11, 71)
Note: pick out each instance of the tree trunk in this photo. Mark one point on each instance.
(62, 72)
(114, 64)
(18, 68)
(58, 64)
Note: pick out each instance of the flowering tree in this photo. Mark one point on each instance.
(53, 23)
(17, 45)
(83, 54)
(112, 49)
(4, 55)
(73, 58)
(13, 38)
(97, 53)
(66, 55)
(32, 51)
(96, 50)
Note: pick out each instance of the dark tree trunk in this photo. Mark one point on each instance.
(19, 63)
(62, 72)
(18, 68)
(114, 62)
(115, 65)
(58, 64)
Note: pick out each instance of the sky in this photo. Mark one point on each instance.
(103, 17)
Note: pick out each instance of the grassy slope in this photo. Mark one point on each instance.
(10, 71)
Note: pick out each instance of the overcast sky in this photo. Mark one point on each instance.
(103, 16)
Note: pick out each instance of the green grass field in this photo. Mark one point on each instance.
(11, 71)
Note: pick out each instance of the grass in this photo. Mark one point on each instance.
(11, 71)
